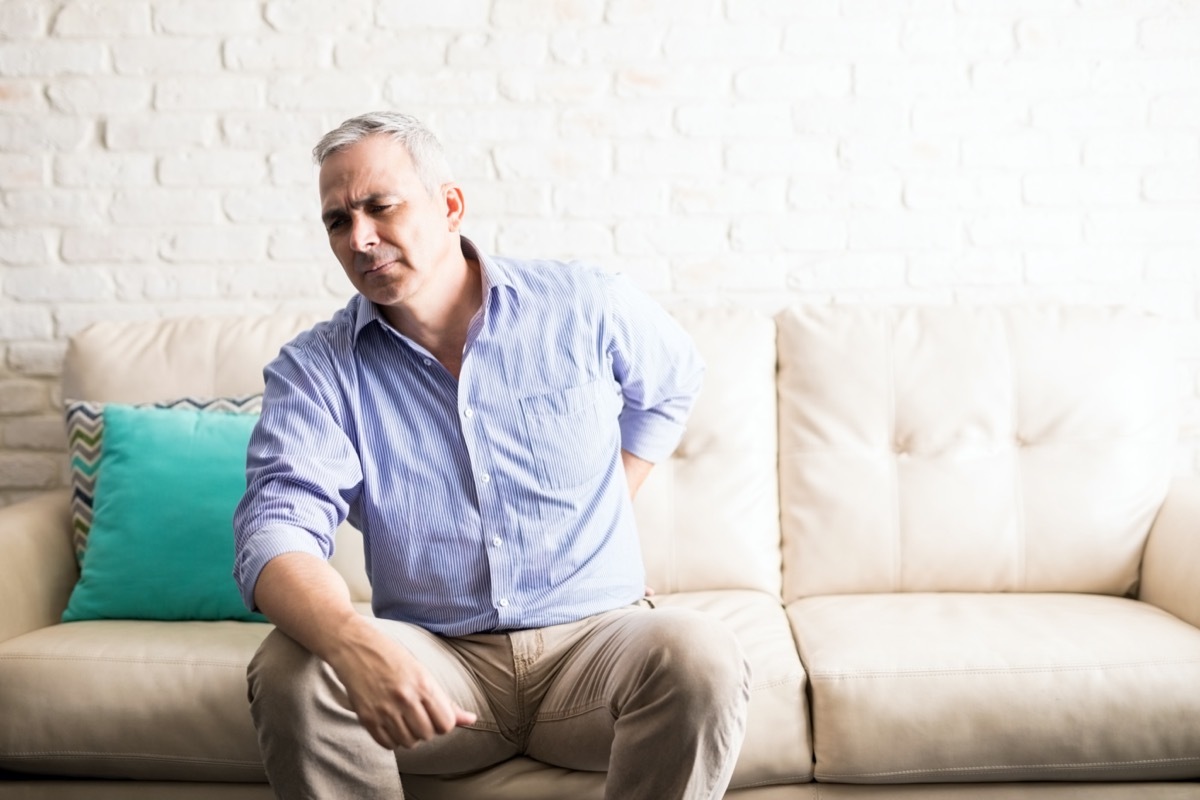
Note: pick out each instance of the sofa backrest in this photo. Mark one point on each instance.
(709, 517)
(971, 449)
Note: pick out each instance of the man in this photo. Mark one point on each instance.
(484, 422)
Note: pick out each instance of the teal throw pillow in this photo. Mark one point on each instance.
(161, 540)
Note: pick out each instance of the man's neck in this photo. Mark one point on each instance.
(438, 319)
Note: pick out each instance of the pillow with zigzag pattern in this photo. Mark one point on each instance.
(85, 443)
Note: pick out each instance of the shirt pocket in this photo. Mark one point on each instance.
(571, 435)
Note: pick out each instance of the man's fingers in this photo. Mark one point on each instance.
(464, 717)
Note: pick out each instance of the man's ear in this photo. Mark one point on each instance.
(456, 205)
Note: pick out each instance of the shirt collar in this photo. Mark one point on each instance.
(494, 276)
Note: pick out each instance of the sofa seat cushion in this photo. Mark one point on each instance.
(131, 699)
(999, 687)
(777, 748)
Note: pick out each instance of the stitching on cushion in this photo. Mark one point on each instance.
(1166, 762)
(73, 754)
(920, 673)
(106, 659)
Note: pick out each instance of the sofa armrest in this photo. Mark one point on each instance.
(1172, 555)
(37, 563)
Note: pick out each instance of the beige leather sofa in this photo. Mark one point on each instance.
(948, 539)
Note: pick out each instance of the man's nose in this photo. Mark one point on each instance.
(363, 235)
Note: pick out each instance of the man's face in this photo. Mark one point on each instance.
(387, 231)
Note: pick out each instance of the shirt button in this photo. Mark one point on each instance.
(427, 362)
(496, 541)
(504, 602)
(485, 477)
(468, 413)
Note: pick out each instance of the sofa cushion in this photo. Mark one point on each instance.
(131, 699)
(999, 687)
(971, 449)
(161, 544)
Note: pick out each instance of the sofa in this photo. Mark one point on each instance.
(949, 540)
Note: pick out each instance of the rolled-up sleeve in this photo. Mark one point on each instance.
(302, 472)
(657, 366)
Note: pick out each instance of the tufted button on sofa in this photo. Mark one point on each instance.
(948, 538)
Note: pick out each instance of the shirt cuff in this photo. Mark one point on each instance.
(265, 545)
(648, 435)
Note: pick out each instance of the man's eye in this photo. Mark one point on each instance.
(334, 224)
(379, 209)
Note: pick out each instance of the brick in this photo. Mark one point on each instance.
(511, 48)
(848, 116)
(47, 434)
(966, 36)
(1146, 226)
(54, 207)
(29, 470)
(1176, 265)
(966, 189)
(20, 19)
(848, 271)
(22, 171)
(408, 15)
(99, 95)
(791, 81)
(1076, 34)
(109, 246)
(212, 168)
(666, 82)
(314, 16)
(21, 96)
(655, 12)
(1031, 79)
(36, 359)
(966, 268)
(1140, 149)
(166, 56)
(20, 246)
(1181, 111)
(553, 85)
(415, 52)
(668, 158)
(904, 230)
(798, 154)
(510, 124)
(216, 245)
(103, 169)
(292, 167)
(211, 93)
(1170, 34)
(1022, 150)
(276, 53)
(526, 14)
(22, 396)
(157, 206)
(844, 190)
(321, 91)
(608, 46)
(636, 121)
(167, 282)
(270, 204)
(672, 236)
(1035, 227)
(968, 115)
(52, 284)
(50, 58)
(899, 78)
(780, 10)
(303, 243)
(206, 17)
(843, 37)
(1135, 75)
(735, 43)
(553, 238)
(552, 161)
(406, 88)
(613, 198)
(93, 19)
(71, 318)
(1173, 185)
(1089, 113)
(1082, 188)
(790, 233)
(1078, 264)
(719, 195)
(743, 120)
(898, 151)
(18, 323)
(512, 198)
(261, 130)
(272, 282)
(167, 132)
(38, 133)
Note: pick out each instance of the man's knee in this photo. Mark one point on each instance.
(281, 675)
(701, 656)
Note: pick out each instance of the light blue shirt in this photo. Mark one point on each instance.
(496, 501)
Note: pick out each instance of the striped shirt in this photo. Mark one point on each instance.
(497, 501)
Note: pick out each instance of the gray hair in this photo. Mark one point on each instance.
(429, 160)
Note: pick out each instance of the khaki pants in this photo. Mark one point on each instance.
(655, 697)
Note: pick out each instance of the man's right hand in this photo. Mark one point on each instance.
(396, 698)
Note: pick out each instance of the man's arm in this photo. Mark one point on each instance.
(397, 700)
(636, 471)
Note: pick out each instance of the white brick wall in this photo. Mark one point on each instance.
(154, 156)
